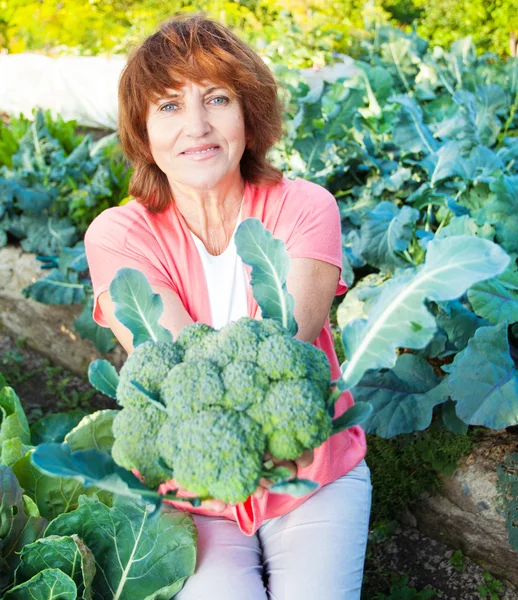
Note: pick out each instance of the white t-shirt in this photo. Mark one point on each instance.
(226, 281)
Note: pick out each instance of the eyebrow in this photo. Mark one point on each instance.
(177, 94)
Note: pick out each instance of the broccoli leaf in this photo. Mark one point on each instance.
(403, 398)
(67, 553)
(54, 427)
(270, 264)
(13, 422)
(94, 431)
(87, 328)
(355, 415)
(490, 398)
(137, 307)
(103, 376)
(497, 299)
(50, 584)
(400, 319)
(154, 555)
(56, 288)
(294, 487)
(20, 523)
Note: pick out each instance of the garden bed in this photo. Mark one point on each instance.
(398, 555)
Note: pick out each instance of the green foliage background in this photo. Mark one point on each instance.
(298, 33)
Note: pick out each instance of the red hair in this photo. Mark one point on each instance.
(197, 49)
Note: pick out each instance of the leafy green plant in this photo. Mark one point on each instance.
(58, 536)
(400, 590)
(457, 560)
(492, 588)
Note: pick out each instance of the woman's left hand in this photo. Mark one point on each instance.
(303, 461)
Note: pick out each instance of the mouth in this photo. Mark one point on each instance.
(204, 154)
(201, 151)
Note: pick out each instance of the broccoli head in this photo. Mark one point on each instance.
(215, 453)
(135, 447)
(294, 417)
(227, 395)
(148, 365)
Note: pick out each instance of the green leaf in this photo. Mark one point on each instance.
(20, 524)
(154, 554)
(403, 397)
(356, 415)
(497, 299)
(90, 468)
(137, 307)
(451, 420)
(44, 235)
(491, 398)
(270, 264)
(104, 377)
(50, 584)
(409, 131)
(13, 450)
(102, 337)
(458, 322)
(386, 231)
(294, 487)
(55, 288)
(67, 553)
(53, 496)
(94, 431)
(501, 211)
(400, 318)
(13, 422)
(54, 427)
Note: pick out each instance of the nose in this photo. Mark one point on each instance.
(196, 123)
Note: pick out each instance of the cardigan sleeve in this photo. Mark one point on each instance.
(315, 227)
(111, 243)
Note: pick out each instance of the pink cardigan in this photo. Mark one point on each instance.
(306, 217)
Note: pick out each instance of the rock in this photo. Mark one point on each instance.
(465, 513)
(46, 328)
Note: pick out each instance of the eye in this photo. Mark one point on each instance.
(166, 105)
(224, 99)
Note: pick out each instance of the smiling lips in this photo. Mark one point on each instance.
(200, 149)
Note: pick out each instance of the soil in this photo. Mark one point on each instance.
(415, 560)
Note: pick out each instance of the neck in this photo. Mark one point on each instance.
(211, 214)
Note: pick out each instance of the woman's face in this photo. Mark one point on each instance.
(197, 135)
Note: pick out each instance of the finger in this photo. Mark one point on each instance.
(288, 464)
(305, 459)
(259, 492)
(265, 483)
(214, 505)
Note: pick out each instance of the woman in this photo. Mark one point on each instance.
(198, 110)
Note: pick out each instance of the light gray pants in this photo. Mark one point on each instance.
(314, 552)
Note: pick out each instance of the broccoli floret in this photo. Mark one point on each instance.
(245, 384)
(271, 327)
(283, 357)
(215, 453)
(191, 386)
(294, 418)
(198, 342)
(148, 364)
(239, 340)
(135, 446)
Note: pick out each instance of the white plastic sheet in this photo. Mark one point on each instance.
(84, 88)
